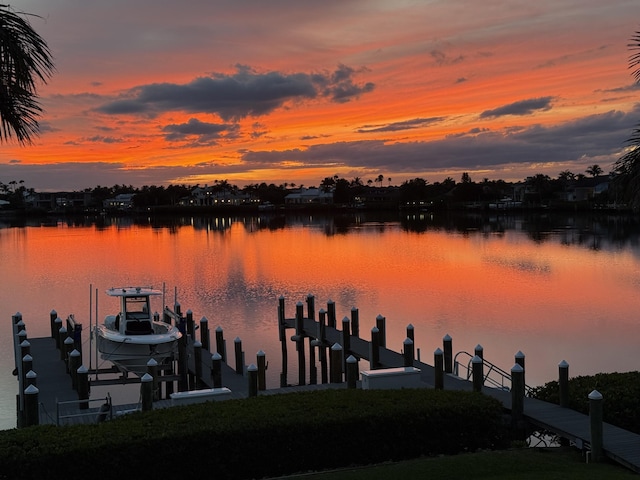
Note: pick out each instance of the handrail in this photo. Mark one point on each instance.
(105, 411)
(489, 380)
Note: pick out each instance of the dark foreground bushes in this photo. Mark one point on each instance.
(620, 394)
(259, 437)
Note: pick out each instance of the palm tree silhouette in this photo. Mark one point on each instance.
(24, 59)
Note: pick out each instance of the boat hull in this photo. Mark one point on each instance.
(131, 353)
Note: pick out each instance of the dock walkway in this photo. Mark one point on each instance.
(55, 386)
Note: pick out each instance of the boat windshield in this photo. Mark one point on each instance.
(137, 306)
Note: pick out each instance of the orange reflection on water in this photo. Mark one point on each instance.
(503, 291)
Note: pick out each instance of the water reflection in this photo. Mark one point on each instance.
(549, 285)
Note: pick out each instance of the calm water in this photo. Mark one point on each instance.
(553, 287)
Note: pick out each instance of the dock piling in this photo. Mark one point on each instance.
(31, 406)
(352, 371)
(252, 379)
(477, 372)
(216, 370)
(596, 427)
(438, 363)
(220, 344)
(382, 328)
(204, 333)
(261, 359)
(408, 352)
(82, 374)
(331, 314)
(355, 322)
(374, 349)
(238, 356)
(146, 392)
(336, 363)
(447, 344)
(563, 382)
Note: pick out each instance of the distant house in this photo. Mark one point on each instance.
(309, 196)
(380, 197)
(587, 188)
(213, 197)
(53, 201)
(122, 201)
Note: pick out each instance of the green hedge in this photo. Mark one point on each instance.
(620, 396)
(261, 436)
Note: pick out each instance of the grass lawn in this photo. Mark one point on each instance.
(526, 463)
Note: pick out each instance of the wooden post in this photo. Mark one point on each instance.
(596, 426)
(204, 333)
(66, 351)
(262, 370)
(238, 356)
(190, 324)
(563, 382)
(411, 333)
(25, 348)
(146, 387)
(220, 345)
(183, 369)
(324, 368)
(283, 342)
(62, 336)
(519, 357)
(381, 324)
(311, 307)
(352, 371)
(355, 322)
(408, 352)
(27, 364)
(447, 344)
(322, 324)
(56, 333)
(52, 320)
(336, 363)
(31, 378)
(299, 339)
(331, 314)
(252, 376)
(478, 374)
(197, 360)
(152, 369)
(374, 354)
(313, 370)
(31, 407)
(517, 397)
(479, 351)
(346, 339)
(438, 362)
(83, 386)
(74, 365)
(216, 370)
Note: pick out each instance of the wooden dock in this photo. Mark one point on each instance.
(58, 401)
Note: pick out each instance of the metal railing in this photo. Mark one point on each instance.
(493, 375)
(94, 415)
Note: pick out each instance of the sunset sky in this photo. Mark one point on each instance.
(156, 92)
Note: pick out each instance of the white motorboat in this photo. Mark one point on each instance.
(132, 337)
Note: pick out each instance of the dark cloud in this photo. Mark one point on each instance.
(596, 137)
(245, 93)
(103, 139)
(399, 126)
(205, 133)
(523, 107)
